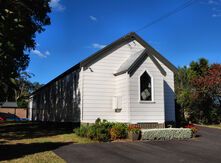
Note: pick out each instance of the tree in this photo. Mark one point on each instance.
(185, 97)
(210, 83)
(20, 20)
(207, 90)
(198, 91)
(24, 88)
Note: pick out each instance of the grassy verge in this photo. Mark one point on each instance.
(34, 142)
(218, 126)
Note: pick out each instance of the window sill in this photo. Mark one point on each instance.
(147, 102)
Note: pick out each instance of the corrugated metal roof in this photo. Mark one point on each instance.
(127, 64)
(8, 104)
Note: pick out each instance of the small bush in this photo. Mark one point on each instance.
(99, 131)
(166, 134)
(82, 131)
(118, 131)
(77, 131)
(103, 130)
(134, 128)
(97, 121)
(192, 127)
(92, 132)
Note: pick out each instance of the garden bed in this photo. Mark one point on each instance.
(166, 134)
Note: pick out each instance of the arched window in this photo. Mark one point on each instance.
(145, 87)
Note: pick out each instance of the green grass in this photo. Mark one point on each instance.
(34, 142)
(218, 126)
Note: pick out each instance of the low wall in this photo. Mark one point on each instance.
(18, 112)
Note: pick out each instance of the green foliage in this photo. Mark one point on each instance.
(166, 134)
(19, 22)
(101, 130)
(134, 128)
(92, 132)
(118, 131)
(198, 94)
(82, 131)
(97, 121)
(22, 103)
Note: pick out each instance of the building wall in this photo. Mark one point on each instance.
(59, 101)
(147, 111)
(122, 91)
(169, 94)
(18, 112)
(99, 86)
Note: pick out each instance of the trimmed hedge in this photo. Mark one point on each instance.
(166, 134)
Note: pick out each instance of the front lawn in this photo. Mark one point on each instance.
(218, 126)
(34, 142)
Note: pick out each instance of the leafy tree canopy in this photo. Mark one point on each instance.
(20, 20)
(198, 91)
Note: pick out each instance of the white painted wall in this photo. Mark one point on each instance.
(30, 105)
(99, 86)
(147, 111)
(122, 90)
(169, 93)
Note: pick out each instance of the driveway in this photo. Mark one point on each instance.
(206, 148)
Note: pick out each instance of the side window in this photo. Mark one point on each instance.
(145, 87)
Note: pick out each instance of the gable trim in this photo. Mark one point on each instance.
(141, 59)
(154, 52)
(106, 50)
(119, 43)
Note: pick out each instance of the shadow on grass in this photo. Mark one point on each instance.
(13, 151)
(26, 130)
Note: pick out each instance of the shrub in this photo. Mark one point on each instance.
(82, 131)
(134, 128)
(97, 121)
(166, 134)
(77, 131)
(92, 132)
(192, 127)
(103, 131)
(118, 131)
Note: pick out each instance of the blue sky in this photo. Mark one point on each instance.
(81, 27)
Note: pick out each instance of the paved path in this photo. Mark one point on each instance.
(205, 149)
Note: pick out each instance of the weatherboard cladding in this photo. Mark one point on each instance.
(110, 48)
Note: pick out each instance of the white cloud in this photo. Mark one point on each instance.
(41, 54)
(98, 46)
(93, 18)
(47, 52)
(56, 5)
(216, 15)
(215, 6)
(214, 2)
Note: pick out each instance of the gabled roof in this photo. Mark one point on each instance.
(135, 60)
(122, 41)
(129, 62)
(8, 104)
(113, 46)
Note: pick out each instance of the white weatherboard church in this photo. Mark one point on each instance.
(127, 81)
